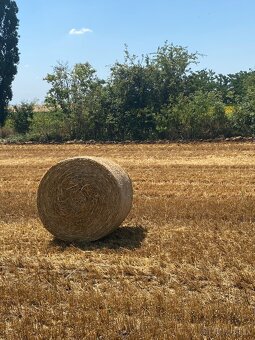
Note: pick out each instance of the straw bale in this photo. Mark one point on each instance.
(84, 198)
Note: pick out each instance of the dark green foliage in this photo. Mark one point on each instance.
(77, 93)
(200, 115)
(139, 88)
(9, 55)
(171, 65)
(156, 96)
(21, 116)
(203, 80)
(49, 126)
(243, 119)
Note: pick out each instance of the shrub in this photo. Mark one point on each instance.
(6, 132)
(243, 120)
(21, 116)
(49, 126)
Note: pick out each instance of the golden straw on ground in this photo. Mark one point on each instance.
(84, 198)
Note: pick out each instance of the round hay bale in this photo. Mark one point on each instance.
(84, 198)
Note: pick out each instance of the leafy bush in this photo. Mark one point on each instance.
(156, 96)
(201, 115)
(48, 126)
(21, 117)
(243, 119)
(6, 132)
(168, 122)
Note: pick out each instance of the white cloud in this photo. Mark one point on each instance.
(75, 31)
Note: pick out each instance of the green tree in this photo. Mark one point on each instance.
(47, 126)
(140, 87)
(224, 87)
(9, 55)
(170, 66)
(202, 80)
(148, 97)
(22, 116)
(243, 118)
(200, 115)
(168, 120)
(73, 91)
(59, 95)
(239, 83)
(130, 99)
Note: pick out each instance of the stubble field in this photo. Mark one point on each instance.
(182, 267)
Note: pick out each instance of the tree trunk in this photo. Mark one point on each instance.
(3, 115)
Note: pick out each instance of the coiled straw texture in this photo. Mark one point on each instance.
(84, 198)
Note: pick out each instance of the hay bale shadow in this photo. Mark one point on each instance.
(126, 237)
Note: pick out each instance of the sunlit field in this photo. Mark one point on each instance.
(181, 267)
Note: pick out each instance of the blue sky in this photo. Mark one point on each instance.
(222, 30)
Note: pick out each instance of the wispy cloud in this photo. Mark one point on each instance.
(80, 31)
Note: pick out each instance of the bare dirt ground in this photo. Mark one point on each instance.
(181, 267)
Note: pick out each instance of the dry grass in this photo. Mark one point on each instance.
(182, 268)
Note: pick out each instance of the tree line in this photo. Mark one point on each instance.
(155, 96)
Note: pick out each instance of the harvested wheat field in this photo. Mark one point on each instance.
(181, 267)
